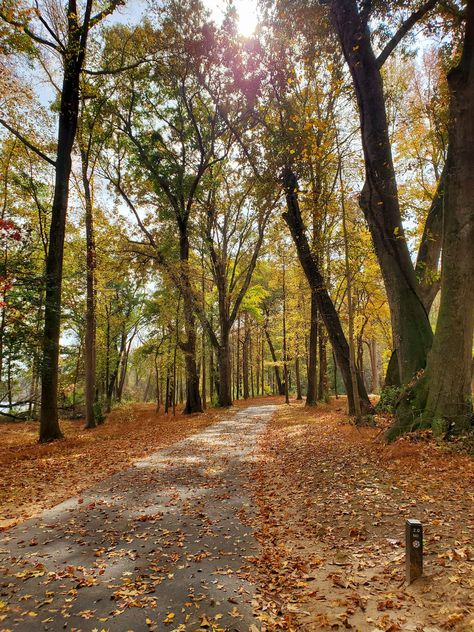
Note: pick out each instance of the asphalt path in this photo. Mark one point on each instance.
(162, 546)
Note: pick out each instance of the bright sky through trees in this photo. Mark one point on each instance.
(247, 16)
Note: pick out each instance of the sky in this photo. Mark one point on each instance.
(246, 10)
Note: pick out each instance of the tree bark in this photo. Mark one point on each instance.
(279, 384)
(157, 381)
(237, 362)
(312, 392)
(325, 305)
(379, 198)
(90, 335)
(224, 362)
(441, 398)
(73, 59)
(429, 252)
(245, 357)
(323, 390)
(299, 396)
(285, 353)
(350, 312)
(374, 365)
(193, 396)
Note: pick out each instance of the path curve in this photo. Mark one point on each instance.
(160, 546)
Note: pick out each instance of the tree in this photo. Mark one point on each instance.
(234, 228)
(379, 198)
(72, 51)
(441, 397)
(326, 307)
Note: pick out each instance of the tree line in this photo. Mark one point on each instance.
(198, 216)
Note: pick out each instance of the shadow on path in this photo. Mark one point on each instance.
(160, 546)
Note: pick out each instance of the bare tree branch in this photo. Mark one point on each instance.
(415, 17)
(26, 142)
(29, 32)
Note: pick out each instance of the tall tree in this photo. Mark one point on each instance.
(379, 198)
(442, 397)
(293, 218)
(70, 45)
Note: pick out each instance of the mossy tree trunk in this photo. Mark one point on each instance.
(441, 398)
(379, 198)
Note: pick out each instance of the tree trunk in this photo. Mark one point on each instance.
(213, 383)
(323, 390)
(224, 360)
(124, 365)
(49, 420)
(374, 365)
(325, 305)
(157, 382)
(350, 311)
(279, 384)
(245, 357)
(379, 199)
(285, 355)
(193, 396)
(299, 396)
(146, 392)
(90, 335)
(237, 362)
(73, 59)
(312, 392)
(203, 340)
(441, 398)
(429, 252)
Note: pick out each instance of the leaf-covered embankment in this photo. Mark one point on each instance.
(332, 505)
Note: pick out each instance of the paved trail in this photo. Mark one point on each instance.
(165, 540)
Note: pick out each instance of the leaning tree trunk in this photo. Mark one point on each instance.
(279, 383)
(326, 307)
(379, 199)
(441, 398)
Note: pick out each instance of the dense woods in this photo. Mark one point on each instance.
(191, 216)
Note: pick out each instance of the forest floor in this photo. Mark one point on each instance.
(332, 502)
(37, 476)
(325, 501)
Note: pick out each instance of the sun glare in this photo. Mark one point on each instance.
(247, 16)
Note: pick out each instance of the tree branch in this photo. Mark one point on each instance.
(29, 32)
(116, 71)
(26, 142)
(415, 17)
(98, 17)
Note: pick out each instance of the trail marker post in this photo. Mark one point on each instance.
(414, 550)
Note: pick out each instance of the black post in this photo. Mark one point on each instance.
(414, 550)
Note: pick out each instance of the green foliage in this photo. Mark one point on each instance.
(98, 412)
(388, 399)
